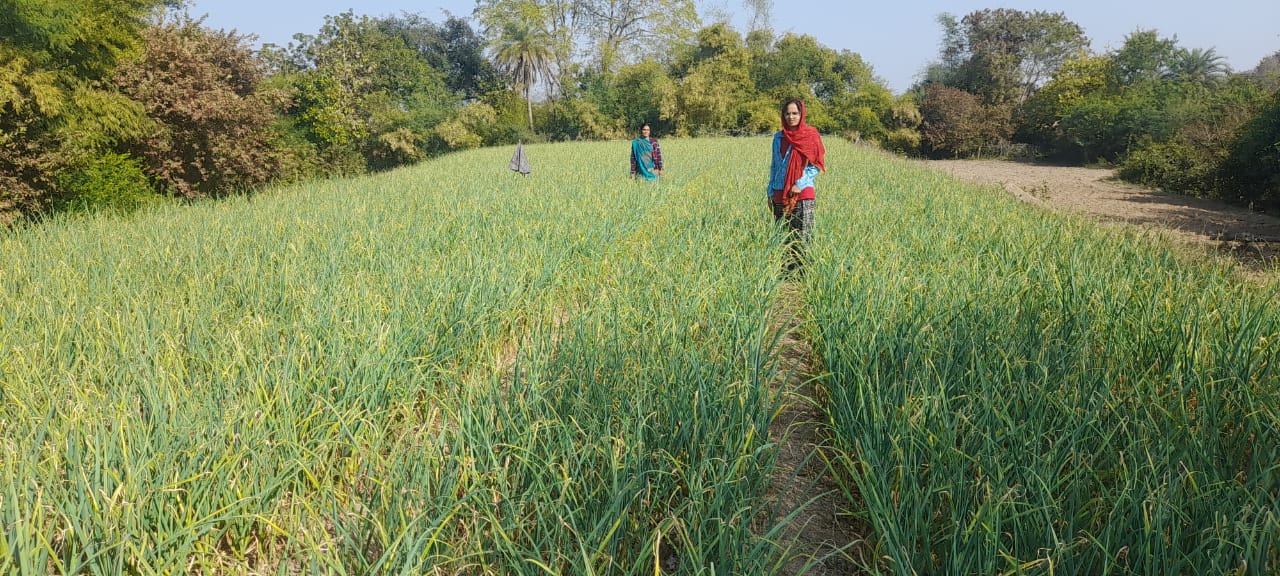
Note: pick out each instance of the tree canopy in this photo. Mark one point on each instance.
(56, 109)
(1004, 55)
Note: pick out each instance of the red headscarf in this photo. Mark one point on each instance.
(807, 146)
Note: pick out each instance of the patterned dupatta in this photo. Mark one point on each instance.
(642, 149)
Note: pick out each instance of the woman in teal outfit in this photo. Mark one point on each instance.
(646, 156)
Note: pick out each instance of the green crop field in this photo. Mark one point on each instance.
(454, 369)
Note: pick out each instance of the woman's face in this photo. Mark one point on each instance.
(791, 115)
(644, 131)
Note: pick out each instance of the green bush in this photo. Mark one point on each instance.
(956, 123)
(502, 134)
(1107, 127)
(1196, 159)
(760, 116)
(864, 121)
(1172, 167)
(468, 126)
(112, 182)
(457, 135)
(576, 120)
(903, 141)
(1251, 172)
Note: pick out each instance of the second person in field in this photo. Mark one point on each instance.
(798, 157)
(646, 156)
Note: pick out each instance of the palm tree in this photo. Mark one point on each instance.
(1197, 66)
(525, 52)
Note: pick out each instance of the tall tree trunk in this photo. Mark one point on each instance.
(529, 102)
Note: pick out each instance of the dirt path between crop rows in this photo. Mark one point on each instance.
(1248, 238)
(823, 536)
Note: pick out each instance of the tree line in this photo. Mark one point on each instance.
(116, 104)
(1025, 84)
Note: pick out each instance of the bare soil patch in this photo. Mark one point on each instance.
(1250, 239)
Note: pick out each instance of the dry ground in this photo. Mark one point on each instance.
(822, 535)
(1248, 238)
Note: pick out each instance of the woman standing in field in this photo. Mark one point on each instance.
(798, 158)
(646, 155)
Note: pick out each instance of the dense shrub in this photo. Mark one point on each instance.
(638, 91)
(1172, 167)
(111, 182)
(760, 116)
(1267, 72)
(25, 181)
(57, 107)
(1040, 118)
(576, 120)
(212, 124)
(395, 147)
(1192, 160)
(468, 126)
(510, 124)
(903, 113)
(1251, 173)
(956, 123)
(865, 123)
(1107, 127)
(365, 92)
(903, 141)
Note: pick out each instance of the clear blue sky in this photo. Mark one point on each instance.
(896, 38)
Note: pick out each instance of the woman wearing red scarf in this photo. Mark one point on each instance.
(798, 157)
